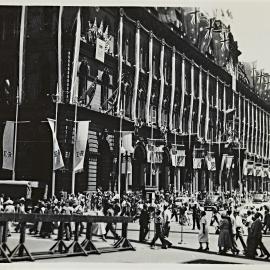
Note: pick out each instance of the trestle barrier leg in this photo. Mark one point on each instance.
(3, 242)
(60, 245)
(75, 246)
(21, 251)
(87, 243)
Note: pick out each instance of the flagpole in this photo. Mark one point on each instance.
(74, 147)
(119, 154)
(15, 135)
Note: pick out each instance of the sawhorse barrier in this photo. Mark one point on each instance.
(60, 248)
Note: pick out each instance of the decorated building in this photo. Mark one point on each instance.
(167, 105)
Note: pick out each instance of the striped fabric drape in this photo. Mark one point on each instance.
(217, 108)
(207, 108)
(161, 89)
(172, 90)
(183, 89)
(200, 103)
(191, 100)
(248, 125)
(59, 56)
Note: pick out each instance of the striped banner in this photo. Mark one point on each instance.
(233, 105)
(120, 63)
(161, 89)
(207, 108)
(252, 148)
(137, 72)
(150, 78)
(200, 103)
(21, 53)
(239, 117)
(256, 132)
(267, 136)
(244, 122)
(59, 56)
(73, 89)
(224, 107)
(183, 89)
(263, 132)
(172, 90)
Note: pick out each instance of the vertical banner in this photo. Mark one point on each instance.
(172, 90)
(239, 117)
(21, 53)
(267, 135)
(183, 89)
(150, 78)
(200, 103)
(207, 108)
(59, 56)
(57, 156)
(217, 108)
(244, 122)
(256, 131)
(73, 94)
(259, 128)
(191, 100)
(224, 107)
(248, 124)
(137, 71)
(8, 146)
(263, 131)
(161, 89)
(80, 145)
(252, 129)
(120, 62)
(234, 107)
(245, 161)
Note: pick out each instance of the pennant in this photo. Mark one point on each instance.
(57, 156)
(73, 94)
(80, 144)
(8, 144)
(100, 30)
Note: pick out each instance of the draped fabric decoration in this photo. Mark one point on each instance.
(258, 170)
(21, 53)
(154, 153)
(217, 108)
(206, 27)
(137, 72)
(256, 131)
(59, 56)
(120, 64)
(150, 78)
(197, 163)
(178, 156)
(172, 90)
(207, 108)
(127, 150)
(244, 123)
(191, 103)
(250, 168)
(57, 156)
(74, 89)
(183, 90)
(8, 146)
(248, 125)
(239, 117)
(200, 103)
(210, 161)
(267, 136)
(223, 163)
(224, 107)
(252, 129)
(162, 81)
(245, 167)
(263, 132)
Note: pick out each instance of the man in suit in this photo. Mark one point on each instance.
(266, 221)
(144, 223)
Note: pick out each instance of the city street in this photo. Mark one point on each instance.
(185, 253)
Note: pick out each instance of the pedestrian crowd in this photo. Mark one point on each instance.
(229, 225)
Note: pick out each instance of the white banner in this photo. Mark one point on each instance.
(57, 156)
(197, 163)
(178, 157)
(8, 144)
(154, 153)
(100, 50)
(80, 145)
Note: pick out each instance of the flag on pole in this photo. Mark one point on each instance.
(73, 92)
(59, 55)
(57, 156)
(21, 53)
(161, 89)
(8, 146)
(80, 144)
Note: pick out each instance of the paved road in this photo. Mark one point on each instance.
(180, 253)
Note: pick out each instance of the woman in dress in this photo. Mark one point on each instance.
(98, 228)
(203, 233)
(224, 239)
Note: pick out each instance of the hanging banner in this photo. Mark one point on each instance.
(154, 153)
(178, 157)
(126, 165)
(8, 144)
(250, 168)
(57, 156)
(229, 160)
(100, 50)
(223, 162)
(80, 145)
(210, 162)
(197, 163)
(258, 170)
(265, 171)
(127, 142)
(245, 162)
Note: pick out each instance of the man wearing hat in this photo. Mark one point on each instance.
(239, 229)
(167, 220)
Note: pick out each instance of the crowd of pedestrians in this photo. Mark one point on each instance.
(162, 210)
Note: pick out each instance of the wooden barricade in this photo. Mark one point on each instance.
(60, 248)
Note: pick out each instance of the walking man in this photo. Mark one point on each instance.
(144, 223)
